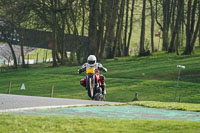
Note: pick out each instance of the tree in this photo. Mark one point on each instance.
(126, 27)
(57, 16)
(142, 35)
(119, 31)
(14, 14)
(101, 22)
(152, 25)
(22, 47)
(76, 41)
(111, 17)
(166, 11)
(174, 47)
(199, 36)
(191, 30)
(54, 31)
(126, 53)
(8, 33)
(47, 12)
(83, 5)
(92, 31)
(61, 34)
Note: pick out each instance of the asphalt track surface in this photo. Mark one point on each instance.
(19, 102)
(33, 105)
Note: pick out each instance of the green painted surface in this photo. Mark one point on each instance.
(119, 112)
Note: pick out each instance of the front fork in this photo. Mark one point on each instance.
(90, 84)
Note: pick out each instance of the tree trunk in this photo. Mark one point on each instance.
(118, 39)
(83, 20)
(57, 57)
(126, 27)
(142, 35)
(173, 9)
(190, 34)
(199, 37)
(166, 22)
(196, 29)
(76, 41)
(177, 43)
(61, 33)
(54, 33)
(82, 33)
(54, 48)
(62, 37)
(22, 47)
(101, 44)
(195, 33)
(92, 31)
(131, 27)
(112, 8)
(176, 29)
(152, 26)
(182, 26)
(22, 53)
(13, 54)
(157, 16)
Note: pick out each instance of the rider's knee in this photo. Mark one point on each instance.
(83, 82)
(102, 77)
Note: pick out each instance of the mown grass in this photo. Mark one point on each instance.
(153, 77)
(33, 124)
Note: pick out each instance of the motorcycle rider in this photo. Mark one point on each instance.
(91, 62)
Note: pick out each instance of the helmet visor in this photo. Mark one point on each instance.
(91, 62)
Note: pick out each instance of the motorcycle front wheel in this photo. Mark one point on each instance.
(90, 88)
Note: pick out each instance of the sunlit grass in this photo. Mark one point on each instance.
(153, 77)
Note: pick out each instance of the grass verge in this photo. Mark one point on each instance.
(41, 124)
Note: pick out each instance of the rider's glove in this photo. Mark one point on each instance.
(102, 69)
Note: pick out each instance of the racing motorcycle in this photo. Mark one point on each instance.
(93, 84)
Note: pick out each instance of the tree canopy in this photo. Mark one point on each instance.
(109, 25)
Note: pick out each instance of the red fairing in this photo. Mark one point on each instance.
(98, 79)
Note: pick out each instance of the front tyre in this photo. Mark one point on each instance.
(98, 94)
(99, 97)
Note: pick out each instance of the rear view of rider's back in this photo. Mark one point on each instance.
(91, 66)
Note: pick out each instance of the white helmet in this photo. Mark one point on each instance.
(91, 59)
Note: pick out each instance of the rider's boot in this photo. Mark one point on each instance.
(103, 84)
(103, 88)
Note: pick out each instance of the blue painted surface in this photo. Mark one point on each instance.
(119, 112)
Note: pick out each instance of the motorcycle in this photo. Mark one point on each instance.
(93, 84)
